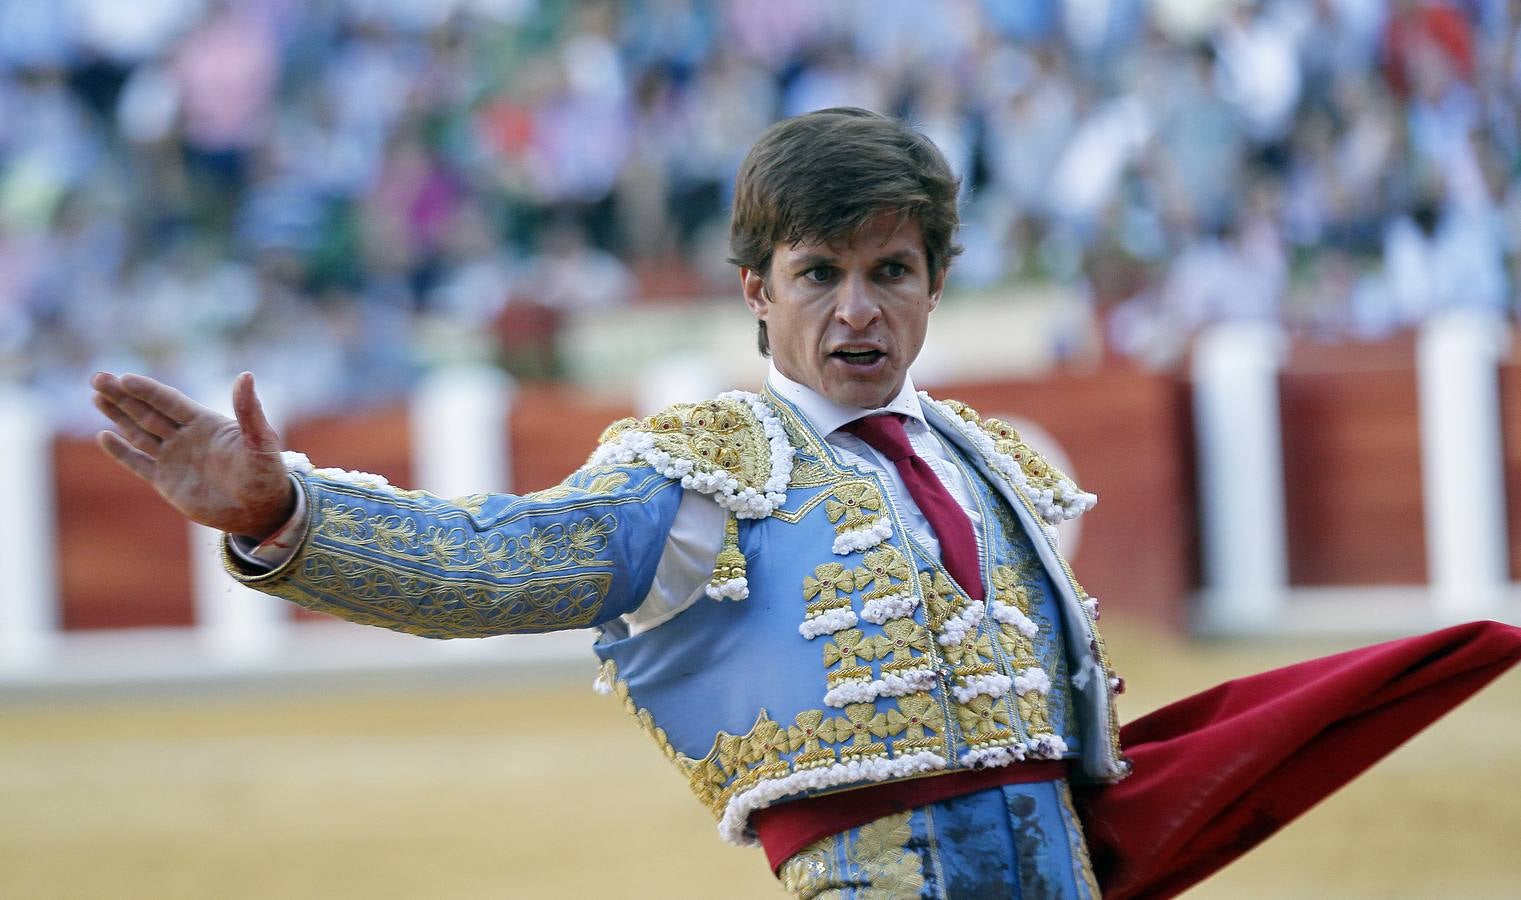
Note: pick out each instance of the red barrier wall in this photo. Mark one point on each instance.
(1351, 456)
(1129, 436)
(1352, 465)
(553, 430)
(123, 553)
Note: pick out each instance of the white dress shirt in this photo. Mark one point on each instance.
(696, 535)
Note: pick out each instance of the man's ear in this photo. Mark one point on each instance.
(756, 296)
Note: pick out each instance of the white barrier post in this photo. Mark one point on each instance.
(29, 600)
(1462, 469)
(677, 379)
(458, 421)
(1240, 445)
(236, 625)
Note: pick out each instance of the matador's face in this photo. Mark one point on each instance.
(848, 319)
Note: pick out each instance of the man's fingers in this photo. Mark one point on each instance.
(151, 420)
(162, 398)
(152, 417)
(257, 432)
(134, 460)
(135, 434)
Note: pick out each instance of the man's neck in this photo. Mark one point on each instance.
(827, 416)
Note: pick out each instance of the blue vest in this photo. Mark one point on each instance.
(836, 652)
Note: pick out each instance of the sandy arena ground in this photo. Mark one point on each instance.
(450, 788)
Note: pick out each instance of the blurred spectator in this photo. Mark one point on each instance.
(343, 190)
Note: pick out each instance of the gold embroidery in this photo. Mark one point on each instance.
(600, 484)
(984, 722)
(1034, 707)
(899, 639)
(884, 570)
(920, 713)
(853, 506)
(975, 652)
(886, 864)
(810, 732)
(879, 865)
(807, 874)
(848, 646)
(722, 433)
(493, 553)
(826, 581)
(1042, 475)
(370, 592)
(808, 473)
(862, 722)
(941, 598)
(730, 564)
(831, 584)
(847, 673)
(767, 742)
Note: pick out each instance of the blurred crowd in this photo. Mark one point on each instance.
(333, 193)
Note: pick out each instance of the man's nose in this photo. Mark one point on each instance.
(857, 304)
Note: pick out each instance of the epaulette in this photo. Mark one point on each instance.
(732, 448)
(1055, 496)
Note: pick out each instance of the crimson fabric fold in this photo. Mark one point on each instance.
(1217, 773)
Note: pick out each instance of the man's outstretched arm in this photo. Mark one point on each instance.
(221, 472)
(569, 557)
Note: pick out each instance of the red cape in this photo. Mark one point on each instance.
(1219, 772)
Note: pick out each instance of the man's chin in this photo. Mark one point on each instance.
(864, 394)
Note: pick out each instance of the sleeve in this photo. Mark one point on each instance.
(275, 550)
(572, 556)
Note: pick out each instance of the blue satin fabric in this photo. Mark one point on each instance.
(1018, 841)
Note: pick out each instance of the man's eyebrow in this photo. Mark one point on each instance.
(810, 261)
(906, 254)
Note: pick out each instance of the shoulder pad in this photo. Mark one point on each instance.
(1056, 497)
(732, 447)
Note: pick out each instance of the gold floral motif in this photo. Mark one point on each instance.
(984, 721)
(849, 646)
(1035, 712)
(880, 853)
(897, 643)
(827, 581)
(883, 570)
(810, 731)
(862, 722)
(853, 506)
(941, 599)
(921, 713)
(974, 652)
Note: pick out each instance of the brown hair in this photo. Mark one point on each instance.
(822, 176)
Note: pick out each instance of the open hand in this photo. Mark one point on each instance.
(221, 472)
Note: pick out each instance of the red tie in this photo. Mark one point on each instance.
(958, 545)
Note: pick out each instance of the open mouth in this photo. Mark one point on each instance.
(858, 357)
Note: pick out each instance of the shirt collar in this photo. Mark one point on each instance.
(827, 416)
